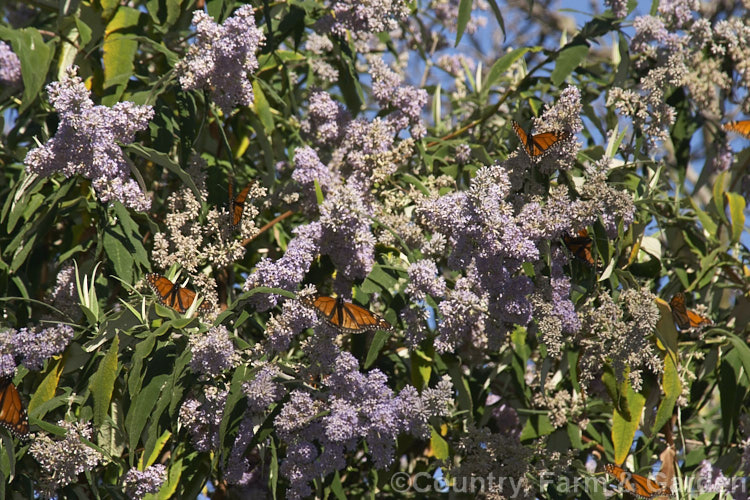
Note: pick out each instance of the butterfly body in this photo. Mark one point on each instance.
(540, 145)
(640, 486)
(171, 295)
(741, 127)
(684, 317)
(237, 204)
(12, 412)
(345, 316)
(580, 246)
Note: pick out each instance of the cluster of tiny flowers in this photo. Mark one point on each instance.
(494, 455)
(618, 335)
(138, 483)
(307, 169)
(561, 406)
(563, 114)
(454, 64)
(62, 461)
(365, 17)
(7, 359)
(424, 280)
(321, 45)
(294, 318)
(619, 7)
(712, 479)
(239, 470)
(263, 390)
(87, 139)
(35, 345)
(213, 352)
(288, 271)
(358, 408)
(446, 12)
(222, 57)
(64, 296)
(326, 119)
(202, 419)
(408, 101)
(346, 236)
(10, 66)
(611, 204)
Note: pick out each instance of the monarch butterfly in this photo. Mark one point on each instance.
(640, 486)
(580, 246)
(345, 316)
(12, 413)
(539, 145)
(739, 127)
(684, 317)
(237, 204)
(171, 295)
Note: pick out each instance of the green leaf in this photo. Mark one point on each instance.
(262, 108)
(378, 341)
(464, 16)
(35, 57)
(165, 161)
(624, 426)
(743, 351)
(421, 369)
(501, 66)
(537, 426)
(568, 60)
(119, 50)
(737, 213)
(439, 445)
(118, 252)
(102, 383)
(336, 488)
(672, 390)
(48, 387)
(141, 408)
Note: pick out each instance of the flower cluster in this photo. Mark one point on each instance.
(213, 352)
(617, 334)
(364, 18)
(202, 419)
(222, 57)
(138, 483)
(10, 66)
(360, 408)
(86, 142)
(64, 296)
(62, 461)
(408, 101)
(33, 345)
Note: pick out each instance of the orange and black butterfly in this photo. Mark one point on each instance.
(237, 204)
(345, 316)
(640, 486)
(580, 246)
(539, 145)
(12, 413)
(739, 127)
(684, 317)
(171, 295)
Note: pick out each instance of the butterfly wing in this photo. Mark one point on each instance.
(739, 127)
(541, 144)
(580, 246)
(347, 317)
(522, 136)
(238, 205)
(640, 486)
(683, 317)
(171, 295)
(12, 412)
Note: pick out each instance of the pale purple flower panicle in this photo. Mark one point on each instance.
(263, 390)
(326, 119)
(222, 57)
(346, 234)
(619, 7)
(358, 408)
(62, 461)
(307, 169)
(36, 346)
(407, 100)
(10, 66)
(288, 271)
(239, 470)
(424, 280)
(139, 483)
(294, 318)
(365, 17)
(202, 419)
(213, 352)
(712, 479)
(64, 296)
(86, 142)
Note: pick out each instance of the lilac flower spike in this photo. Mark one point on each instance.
(86, 142)
(10, 66)
(222, 57)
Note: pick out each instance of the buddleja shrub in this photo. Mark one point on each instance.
(537, 242)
